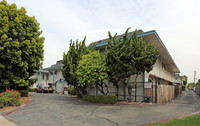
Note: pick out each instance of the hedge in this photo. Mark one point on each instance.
(103, 99)
(31, 89)
(72, 91)
(24, 93)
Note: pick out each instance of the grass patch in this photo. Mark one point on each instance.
(187, 121)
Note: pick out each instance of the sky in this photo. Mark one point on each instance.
(177, 22)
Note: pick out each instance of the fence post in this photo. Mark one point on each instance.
(124, 92)
(96, 89)
(156, 92)
(152, 93)
(143, 86)
(136, 92)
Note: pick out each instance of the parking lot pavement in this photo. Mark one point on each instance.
(64, 110)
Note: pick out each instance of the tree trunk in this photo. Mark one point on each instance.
(100, 88)
(79, 91)
(130, 87)
(130, 93)
(107, 91)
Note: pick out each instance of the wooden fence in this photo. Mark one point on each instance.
(197, 89)
(178, 90)
(165, 93)
(162, 93)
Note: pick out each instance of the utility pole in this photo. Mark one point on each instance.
(195, 76)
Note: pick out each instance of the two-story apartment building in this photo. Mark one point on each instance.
(163, 72)
(51, 75)
(179, 79)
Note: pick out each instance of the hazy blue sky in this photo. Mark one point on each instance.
(177, 22)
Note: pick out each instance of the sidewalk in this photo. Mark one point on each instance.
(5, 122)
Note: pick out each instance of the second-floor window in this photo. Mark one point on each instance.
(163, 66)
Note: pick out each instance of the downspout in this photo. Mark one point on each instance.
(54, 80)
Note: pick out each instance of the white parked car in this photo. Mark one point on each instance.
(44, 87)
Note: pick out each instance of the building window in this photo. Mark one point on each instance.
(51, 73)
(163, 66)
(43, 76)
(55, 72)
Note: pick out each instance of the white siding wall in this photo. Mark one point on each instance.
(56, 76)
(160, 72)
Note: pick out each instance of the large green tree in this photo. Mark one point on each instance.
(127, 56)
(71, 60)
(185, 80)
(21, 47)
(92, 69)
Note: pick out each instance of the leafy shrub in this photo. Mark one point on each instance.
(103, 99)
(1, 102)
(9, 98)
(66, 89)
(31, 89)
(72, 91)
(24, 93)
(191, 86)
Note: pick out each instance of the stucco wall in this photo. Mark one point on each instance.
(164, 73)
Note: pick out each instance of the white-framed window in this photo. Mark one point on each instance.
(163, 66)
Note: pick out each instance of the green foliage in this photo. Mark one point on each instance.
(31, 89)
(72, 91)
(21, 46)
(66, 89)
(128, 55)
(1, 103)
(9, 98)
(92, 68)
(32, 81)
(103, 99)
(24, 93)
(71, 60)
(191, 86)
(185, 81)
(188, 121)
(198, 83)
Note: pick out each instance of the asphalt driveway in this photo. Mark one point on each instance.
(63, 110)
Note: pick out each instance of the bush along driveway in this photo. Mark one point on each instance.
(64, 110)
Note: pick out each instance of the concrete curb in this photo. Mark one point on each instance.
(5, 122)
(27, 102)
(162, 121)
